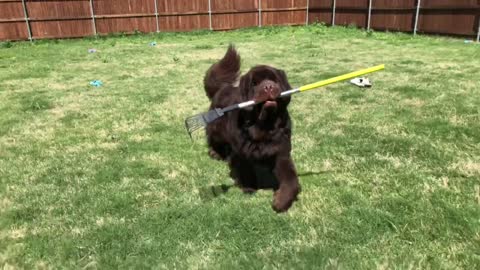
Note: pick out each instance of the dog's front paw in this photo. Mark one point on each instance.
(284, 197)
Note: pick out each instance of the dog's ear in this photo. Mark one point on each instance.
(283, 80)
(246, 86)
(282, 77)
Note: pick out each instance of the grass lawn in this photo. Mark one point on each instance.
(108, 178)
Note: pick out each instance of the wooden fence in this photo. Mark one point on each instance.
(450, 17)
(38, 19)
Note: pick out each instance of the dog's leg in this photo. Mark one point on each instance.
(217, 150)
(214, 154)
(289, 186)
(243, 173)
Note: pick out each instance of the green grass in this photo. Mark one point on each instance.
(107, 177)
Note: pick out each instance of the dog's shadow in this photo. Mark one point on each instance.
(214, 191)
(310, 174)
(211, 192)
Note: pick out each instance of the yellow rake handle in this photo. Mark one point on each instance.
(325, 82)
(341, 78)
(311, 86)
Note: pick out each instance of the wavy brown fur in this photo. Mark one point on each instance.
(255, 141)
(223, 73)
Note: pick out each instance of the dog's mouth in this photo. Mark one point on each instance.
(270, 104)
(268, 108)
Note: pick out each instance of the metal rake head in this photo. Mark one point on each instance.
(194, 123)
(199, 121)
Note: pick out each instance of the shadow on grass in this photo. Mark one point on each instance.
(213, 191)
(305, 174)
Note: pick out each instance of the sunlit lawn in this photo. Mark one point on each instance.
(107, 177)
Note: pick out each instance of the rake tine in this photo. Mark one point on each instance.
(195, 128)
(188, 131)
(192, 129)
(194, 123)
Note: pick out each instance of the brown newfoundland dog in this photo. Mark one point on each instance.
(254, 141)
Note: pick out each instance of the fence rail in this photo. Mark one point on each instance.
(37, 19)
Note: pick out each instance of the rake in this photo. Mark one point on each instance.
(199, 121)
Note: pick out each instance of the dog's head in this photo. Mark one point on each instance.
(264, 84)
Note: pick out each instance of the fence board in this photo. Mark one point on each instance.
(272, 4)
(126, 25)
(234, 21)
(113, 16)
(284, 17)
(172, 6)
(58, 9)
(315, 4)
(349, 4)
(447, 17)
(351, 18)
(234, 5)
(12, 21)
(184, 23)
(190, 19)
(450, 3)
(13, 31)
(394, 4)
(320, 11)
(316, 16)
(11, 10)
(451, 23)
(393, 15)
(233, 14)
(64, 28)
(276, 12)
(393, 20)
(351, 12)
(56, 19)
(102, 7)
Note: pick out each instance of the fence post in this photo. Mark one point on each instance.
(478, 32)
(27, 22)
(259, 13)
(369, 14)
(210, 14)
(306, 19)
(94, 24)
(333, 12)
(156, 16)
(416, 17)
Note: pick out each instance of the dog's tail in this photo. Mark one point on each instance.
(224, 72)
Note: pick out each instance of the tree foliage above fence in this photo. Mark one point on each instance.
(27, 19)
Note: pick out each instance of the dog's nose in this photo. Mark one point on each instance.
(268, 88)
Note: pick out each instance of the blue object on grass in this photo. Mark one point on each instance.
(153, 43)
(92, 50)
(96, 83)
